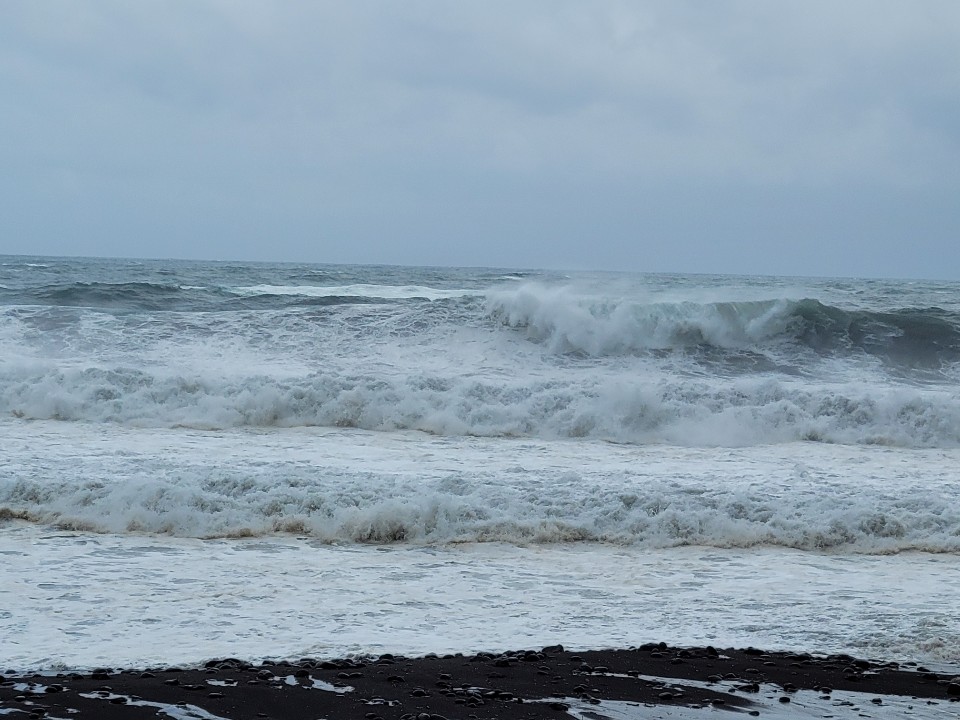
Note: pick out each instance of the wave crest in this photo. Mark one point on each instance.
(570, 323)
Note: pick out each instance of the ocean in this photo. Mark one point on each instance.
(213, 459)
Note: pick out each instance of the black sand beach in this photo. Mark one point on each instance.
(651, 681)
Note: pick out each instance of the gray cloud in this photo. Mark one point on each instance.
(810, 138)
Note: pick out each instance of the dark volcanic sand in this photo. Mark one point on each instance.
(652, 681)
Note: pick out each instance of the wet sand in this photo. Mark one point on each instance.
(651, 681)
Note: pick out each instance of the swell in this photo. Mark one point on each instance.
(597, 327)
(149, 296)
(679, 411)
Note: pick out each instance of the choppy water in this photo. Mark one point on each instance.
(765, 451)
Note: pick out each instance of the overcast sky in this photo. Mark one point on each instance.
(809, 138)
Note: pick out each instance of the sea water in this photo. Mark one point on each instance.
(202, 460)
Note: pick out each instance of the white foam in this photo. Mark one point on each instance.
(141, 601)
(766, 702)
(691, 412)
(423, 476)
(448, 369)
(353, 486)
(318, 684)
(386, 292)
(569, 320)
(180, 711)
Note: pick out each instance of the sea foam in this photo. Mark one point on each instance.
(694, 411)
(351, 486)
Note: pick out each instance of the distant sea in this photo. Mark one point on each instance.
(204, 459)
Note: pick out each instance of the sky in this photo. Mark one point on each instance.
(753, 137)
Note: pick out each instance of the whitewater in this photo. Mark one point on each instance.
(207, 459)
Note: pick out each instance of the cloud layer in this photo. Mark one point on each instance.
(807, 138)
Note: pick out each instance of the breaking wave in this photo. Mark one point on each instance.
(572, 323)
(508, 506)
(688, 412)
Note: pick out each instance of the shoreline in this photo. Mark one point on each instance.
(650, 681)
